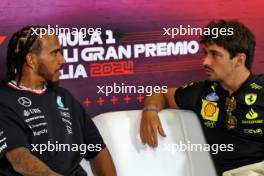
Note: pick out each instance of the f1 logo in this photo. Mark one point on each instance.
(2, 39)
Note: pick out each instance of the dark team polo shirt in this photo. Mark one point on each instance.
(209, 101)
(53, 117)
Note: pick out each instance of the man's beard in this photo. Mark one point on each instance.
(44, 72)
(53, 84)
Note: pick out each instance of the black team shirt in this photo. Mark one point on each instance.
(245, 140)
(52, 118)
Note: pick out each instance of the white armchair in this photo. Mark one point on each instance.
(120, 131)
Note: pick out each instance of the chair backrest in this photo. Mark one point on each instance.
(172, 157)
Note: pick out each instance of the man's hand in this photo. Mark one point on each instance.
(26, 163)
(150, 122)
(102, 164)
(149, 127)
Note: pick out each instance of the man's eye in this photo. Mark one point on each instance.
(215, 55)
(56, 52)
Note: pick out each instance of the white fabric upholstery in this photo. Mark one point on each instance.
(120, 131)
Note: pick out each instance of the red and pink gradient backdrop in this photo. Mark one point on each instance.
(132, 22)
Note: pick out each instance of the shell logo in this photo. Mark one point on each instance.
(210, 109)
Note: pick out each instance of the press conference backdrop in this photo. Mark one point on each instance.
(125, 49)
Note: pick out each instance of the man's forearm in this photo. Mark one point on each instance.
(102, 164)
(25, 163)
(161, 100)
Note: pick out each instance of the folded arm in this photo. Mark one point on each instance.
(27, 164)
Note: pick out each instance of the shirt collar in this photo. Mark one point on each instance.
(251, 78)
(23, 88)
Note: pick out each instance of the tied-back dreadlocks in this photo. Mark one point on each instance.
(20, 44)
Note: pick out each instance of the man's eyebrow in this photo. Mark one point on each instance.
(56, 50)
(214, 51)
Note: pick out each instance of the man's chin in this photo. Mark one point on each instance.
(211, 78)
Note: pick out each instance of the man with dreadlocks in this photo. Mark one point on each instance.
(42, 127)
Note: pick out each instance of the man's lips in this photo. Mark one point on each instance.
(58, 71)
(208, 70)
(60, 68)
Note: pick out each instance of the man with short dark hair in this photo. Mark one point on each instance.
(44, 131)
(229, 104)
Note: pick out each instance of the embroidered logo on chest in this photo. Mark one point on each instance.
(250, 98)
(209, 110)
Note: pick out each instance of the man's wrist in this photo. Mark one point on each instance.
(151, 109)
(54, 174)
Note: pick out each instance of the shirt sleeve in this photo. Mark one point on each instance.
(92, 137)
(187, 96)
(12, 131)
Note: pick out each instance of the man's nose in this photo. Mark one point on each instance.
(206, 60)
(62, 59)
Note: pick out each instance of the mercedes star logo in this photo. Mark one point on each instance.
(24, 101)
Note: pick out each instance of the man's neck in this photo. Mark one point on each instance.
(31, 83)
(234, 82)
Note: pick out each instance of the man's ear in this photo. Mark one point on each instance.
(240, 59)
(31, 60)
